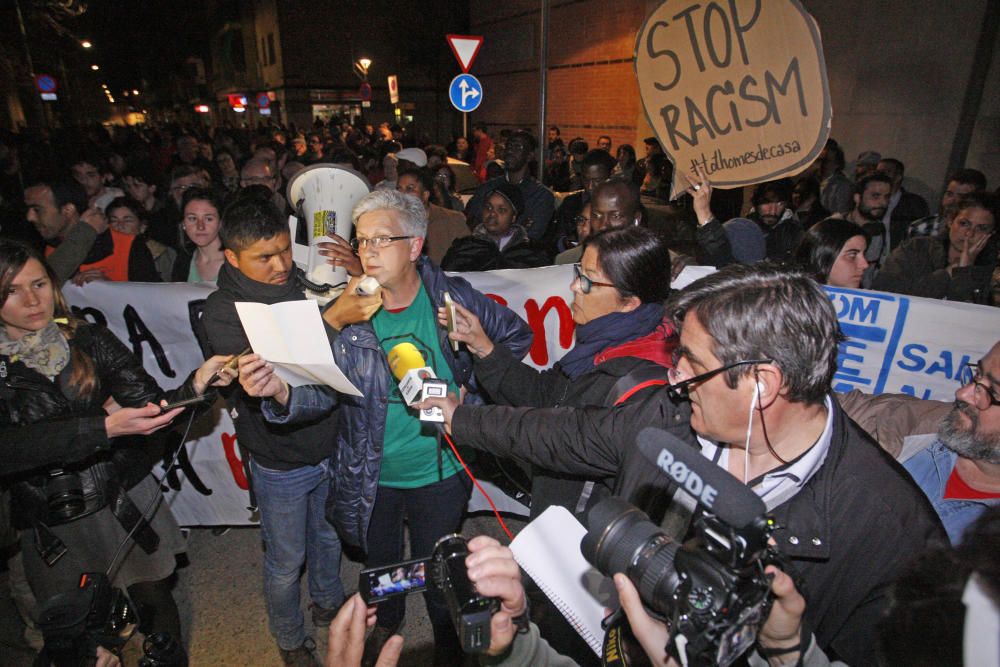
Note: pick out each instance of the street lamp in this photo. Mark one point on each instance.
(95, 67)
(361, 67)
(86, 44)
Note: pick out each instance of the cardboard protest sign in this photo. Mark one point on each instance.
(737, 87)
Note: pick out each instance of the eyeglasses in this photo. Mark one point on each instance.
(681, 389)
(586, 284)
(982, 394)
(377, 242)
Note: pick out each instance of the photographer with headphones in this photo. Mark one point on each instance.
(751, 389)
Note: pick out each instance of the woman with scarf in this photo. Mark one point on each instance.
(71, 395)
(623, 349)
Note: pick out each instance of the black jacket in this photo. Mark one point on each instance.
(849, 531)
(46, 424)
(275, 446)
(509, 382)
(480, 253)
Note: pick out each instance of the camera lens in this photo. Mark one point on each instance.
(64, 494)
(620, 538)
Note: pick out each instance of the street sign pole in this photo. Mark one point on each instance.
(465, 87)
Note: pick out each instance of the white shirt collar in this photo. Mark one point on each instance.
(780, 484)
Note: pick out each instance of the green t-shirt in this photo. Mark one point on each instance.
(410, 451)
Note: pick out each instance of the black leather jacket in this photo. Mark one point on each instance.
(45, 425)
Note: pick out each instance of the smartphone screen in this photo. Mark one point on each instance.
(382, 583)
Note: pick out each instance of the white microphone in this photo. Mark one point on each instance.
(417, 380)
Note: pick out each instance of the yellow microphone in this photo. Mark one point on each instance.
(403, 358)
(417, 380)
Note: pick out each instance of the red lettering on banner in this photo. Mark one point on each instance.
(536, 320)
(234, 460)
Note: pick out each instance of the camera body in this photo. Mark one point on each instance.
(445, 572)
(711, 591)
(73, 624)
(470, 611)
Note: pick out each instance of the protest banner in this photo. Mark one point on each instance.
(894, 344)
(737, 87)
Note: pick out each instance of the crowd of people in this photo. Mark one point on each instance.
(738, 365)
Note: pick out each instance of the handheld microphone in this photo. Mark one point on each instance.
(417, 380)
(714, 488)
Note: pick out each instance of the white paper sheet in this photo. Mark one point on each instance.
(291, 336)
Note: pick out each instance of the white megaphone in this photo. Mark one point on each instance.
(323, 195)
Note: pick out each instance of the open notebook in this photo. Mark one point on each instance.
(548, 549)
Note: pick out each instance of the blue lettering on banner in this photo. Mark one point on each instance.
(872, 324)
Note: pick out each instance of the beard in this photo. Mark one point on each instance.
(876, 213)
(964, 440)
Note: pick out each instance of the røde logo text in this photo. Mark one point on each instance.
(687, 478)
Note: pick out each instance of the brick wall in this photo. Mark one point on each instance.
(592, 88)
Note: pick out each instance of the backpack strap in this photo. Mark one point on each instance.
(632, 383)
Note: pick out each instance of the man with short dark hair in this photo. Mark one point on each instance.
(95, 251)
(959, 184)
(604, 143)
(88, 172)
(596, 168)
(443, 225)
(642, 167)
(774, 215)
(538, 200)
(260, 171)
(751, 389)
(871, 198)
(289, 466)
(904, 207)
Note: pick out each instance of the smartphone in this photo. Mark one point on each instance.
(182, 404)
(379, 584)
(449, 307)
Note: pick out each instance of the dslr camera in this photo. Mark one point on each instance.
(73, 624)
(711, 591)
(444, 571)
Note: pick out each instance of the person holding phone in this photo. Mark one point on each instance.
(80, 480)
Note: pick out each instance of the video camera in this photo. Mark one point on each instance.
(445, 569)
(712, 590)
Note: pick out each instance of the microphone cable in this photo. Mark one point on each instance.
(496, 512)
(151, 507)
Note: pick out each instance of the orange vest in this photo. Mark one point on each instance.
(115, 265)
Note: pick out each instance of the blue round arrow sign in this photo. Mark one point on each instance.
(465, 93)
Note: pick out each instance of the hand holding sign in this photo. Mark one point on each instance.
(736, 88)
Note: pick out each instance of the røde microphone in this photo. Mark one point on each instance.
(417, 380)
(714, 488)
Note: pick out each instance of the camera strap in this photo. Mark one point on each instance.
(615, 652)
(48, 544)
(131, 519)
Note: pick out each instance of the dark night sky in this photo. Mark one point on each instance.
(142, 39)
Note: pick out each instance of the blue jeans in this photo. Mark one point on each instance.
(295, 531)
(432, 512)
